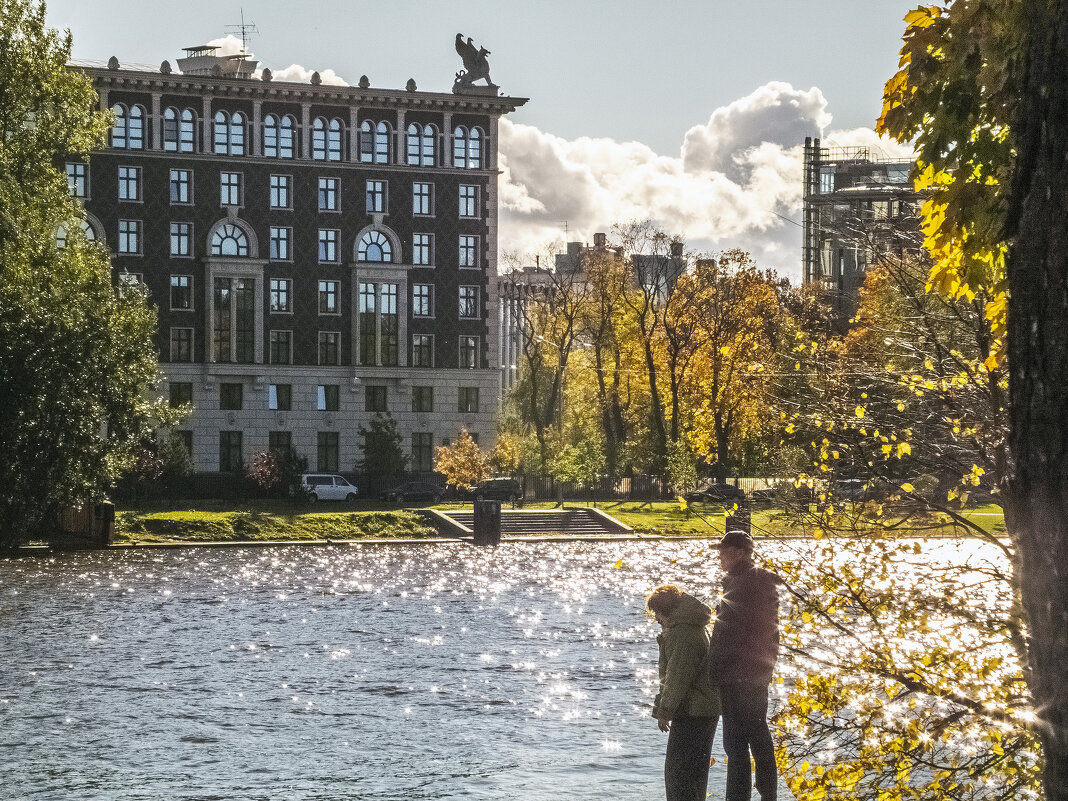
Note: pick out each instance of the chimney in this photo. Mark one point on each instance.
(676, 250)
(599, 240)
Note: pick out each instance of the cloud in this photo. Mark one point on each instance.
(230, 45)
(735, 183)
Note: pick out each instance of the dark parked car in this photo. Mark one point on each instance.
(716, 493)
(413, 491)
(496, 489)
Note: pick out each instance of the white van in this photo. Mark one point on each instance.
(328, 487)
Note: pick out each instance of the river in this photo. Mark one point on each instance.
(436, 671)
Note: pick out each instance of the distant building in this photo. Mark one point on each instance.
(856, 209)
(318, 254)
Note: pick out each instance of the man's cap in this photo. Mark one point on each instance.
(737, 539)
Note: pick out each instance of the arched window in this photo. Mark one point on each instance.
(229, 240)
(178, 130)
(229, 133)
(421, 145)
(467, 148)
(326, 139)
(374, 247)
(270, 136)
(374, 142)
(119, 127)
(286, 137)
(333, 140)
(319, 138)
(135, 129)
(87, 232)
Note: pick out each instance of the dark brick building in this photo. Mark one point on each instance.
(318, 254)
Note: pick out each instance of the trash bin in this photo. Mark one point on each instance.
(487, 525)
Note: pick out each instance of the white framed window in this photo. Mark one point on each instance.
(281, 347)
(422, 250)
(329, 347)
(469, 252)
(468, 298)
(229, 133)
(468, 352)
(422, 142)
(467, 148)
(422, 300)
(179, 130)
(374, 246)
(278, 136)
(468, 200)
(130, 183)
(181, 344)
(181, 239)
(230, 189)
(130, 237)
(280, 197)
(78, 179)
(128, 130)
(328, 194)
(422, 199)
(280, 238)
(328, 297)
(326, 139)
(422, 350)
(375, 142)
(181, 187)
(181, 293)
(328, 240)
(376, 197)
(378, 323)
(281, 291)
(229, 240)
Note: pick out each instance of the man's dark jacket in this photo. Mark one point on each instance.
(745, 638)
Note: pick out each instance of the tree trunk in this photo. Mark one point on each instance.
(1037, 512)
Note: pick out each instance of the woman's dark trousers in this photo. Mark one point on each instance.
(745, 729)
(689, 750)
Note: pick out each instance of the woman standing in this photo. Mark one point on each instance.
(687, 706)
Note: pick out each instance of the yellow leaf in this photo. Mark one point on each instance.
(907, 487)
(859, 411)
(618, 564)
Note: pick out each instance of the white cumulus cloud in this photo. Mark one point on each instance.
(734, 181)
(230, 45)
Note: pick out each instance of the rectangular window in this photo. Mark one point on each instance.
(181, 394)
(328, 291)
(231, 396)
(376, 196)
(328, 238)
(422, 399)
(469, 302)
(422, 300)
(181, 238)
(280, 295)
(468, 352)
(280, 235)
(230, 188)
(186, 438)
(78, 179)
(234, 320)
(281, 347)
(130, 237)
(280, 397)
(422, 451)
(327, 452)
(129, 183)
(368, 311)
(374, 399)
(280, 442)
(181, 292)
(329, 352)
(230, 452)
(328, 194)
(468, 400)
(328, 397)
(280, 192)
(423, 199)
(422, 249)
(422, 350)
(468, 200)
(469, 252)
(389, 325)
(181, 184)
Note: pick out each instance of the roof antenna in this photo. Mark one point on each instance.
(245, 29)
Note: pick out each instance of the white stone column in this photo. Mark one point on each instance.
(255, 134)
(206, 138)
(157, 121)
(305, 122)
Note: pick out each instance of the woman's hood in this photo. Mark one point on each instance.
(689, 612)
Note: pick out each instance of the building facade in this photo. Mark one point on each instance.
(318, 254)
(857, 209)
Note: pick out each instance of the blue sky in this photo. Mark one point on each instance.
(611, 84)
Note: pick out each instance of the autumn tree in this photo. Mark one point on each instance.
(981, 90)
(78, 360)
(462, 462)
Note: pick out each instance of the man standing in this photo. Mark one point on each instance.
(744, 646)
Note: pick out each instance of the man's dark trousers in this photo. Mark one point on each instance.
(745, 729)
(689, 751)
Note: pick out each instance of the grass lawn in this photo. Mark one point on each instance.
(205, 521)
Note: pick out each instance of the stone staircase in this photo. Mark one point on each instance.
(538, 522)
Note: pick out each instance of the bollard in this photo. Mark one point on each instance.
(487, 525)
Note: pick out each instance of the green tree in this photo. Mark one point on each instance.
(981, 89)
(78, 359)
(384, 460)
